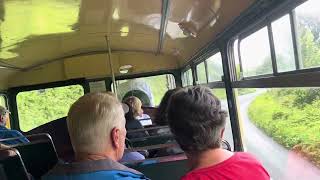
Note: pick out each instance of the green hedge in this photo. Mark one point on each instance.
(289, 123)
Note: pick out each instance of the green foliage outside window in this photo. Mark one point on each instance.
(2, 101)
(41, 106)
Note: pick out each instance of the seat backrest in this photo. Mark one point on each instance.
(39, 156)
(58, 130)
(151, 140)
(171, 170)
(11, 165)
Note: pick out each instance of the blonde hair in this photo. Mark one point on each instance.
(91, 119)
(135, 105)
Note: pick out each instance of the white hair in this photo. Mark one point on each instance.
(91, 120)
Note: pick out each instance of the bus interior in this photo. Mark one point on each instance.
(261, 58)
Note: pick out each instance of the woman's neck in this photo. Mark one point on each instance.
(208, 158)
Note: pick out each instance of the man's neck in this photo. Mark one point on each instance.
(208, 158)
(94, 156)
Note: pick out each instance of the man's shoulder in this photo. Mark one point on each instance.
(94, 169)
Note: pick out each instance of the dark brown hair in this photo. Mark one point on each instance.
(162, 114)
(196, 119)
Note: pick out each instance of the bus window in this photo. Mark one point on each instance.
(222, 95)
(187, 79)
(38, 107)
(3, 101)
(201, 73)
(255, 54)
(282, 129)
(214, 66)
(307, 18)
(283, 44)
(149, 90)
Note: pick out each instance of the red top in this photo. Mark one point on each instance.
(240, 166)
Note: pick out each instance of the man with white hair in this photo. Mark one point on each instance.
(6, 133)
(96, 125)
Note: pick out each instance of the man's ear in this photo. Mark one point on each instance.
(115, 137)
(222, 133)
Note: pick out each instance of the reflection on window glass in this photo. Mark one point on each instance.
(255, 54)
(283, 44)
(3, 101)
(221, 94)
(215, 70)
(149, 90)
(308, 22)
(282, 129)
(38, 107)
(23, 19)
(201, 73)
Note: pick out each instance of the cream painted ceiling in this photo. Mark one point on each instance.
(38, 31)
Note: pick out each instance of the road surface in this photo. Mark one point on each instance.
(279, 162)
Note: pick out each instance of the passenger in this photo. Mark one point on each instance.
(6, 133)
(162, 120)
(197, 121)
(132, 123)
(162, 115)
(96, 125)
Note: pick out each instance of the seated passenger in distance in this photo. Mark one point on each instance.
(132, 123)
(96, 125)
(197, 121)
(6, 133)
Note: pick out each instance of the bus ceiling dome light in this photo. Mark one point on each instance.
(125, 69)
(124, 31)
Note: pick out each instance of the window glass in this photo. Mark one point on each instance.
(189, 77)
(3, 101)
(236, 59)
(215, 70)
(283, 44)
(255, 54)
(308, 24)
(149, 90)
(201, 73)
(282, 129)
(38, 107)
(221, 94)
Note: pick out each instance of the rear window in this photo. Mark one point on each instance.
(149, 90)
(3, 101)
(38, 107)
(187, 79)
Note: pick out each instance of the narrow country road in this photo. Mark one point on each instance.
(279, 162)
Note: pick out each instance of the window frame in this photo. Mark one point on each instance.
(286, 9)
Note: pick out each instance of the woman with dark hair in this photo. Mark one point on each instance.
(198, 123)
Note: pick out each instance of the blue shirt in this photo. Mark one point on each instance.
(8, 133)
(93, 170)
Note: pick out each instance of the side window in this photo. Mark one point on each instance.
(214, 66)
(38, 107)
(201, 73)
(255, 54)
(187, 79)
(3, 101)
(283, 44)
(307, 18)
(149, 90)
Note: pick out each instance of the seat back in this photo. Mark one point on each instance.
(170, 170)
(58, 130)
(39, 156)
(11, 165)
